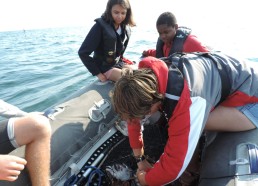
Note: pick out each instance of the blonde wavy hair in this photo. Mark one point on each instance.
(135, 92)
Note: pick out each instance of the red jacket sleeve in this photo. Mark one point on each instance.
(151, 52)
(192, 44)
(134, 126)
(135, 134)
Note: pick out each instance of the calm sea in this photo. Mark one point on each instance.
(41, 67)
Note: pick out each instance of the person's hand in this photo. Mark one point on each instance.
(144, 165)
(11, 167)
(141, 177)
(144, 53)
(102, 77)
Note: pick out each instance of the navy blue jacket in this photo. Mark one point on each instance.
(103, 47)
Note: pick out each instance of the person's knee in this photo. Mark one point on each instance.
(41, 125)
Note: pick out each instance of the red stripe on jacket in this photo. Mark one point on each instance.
(238, 99)
(171, 161)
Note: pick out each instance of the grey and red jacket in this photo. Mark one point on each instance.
(197, 84)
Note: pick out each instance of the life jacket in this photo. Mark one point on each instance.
(178, 42)
(175, 82)
(110, 38)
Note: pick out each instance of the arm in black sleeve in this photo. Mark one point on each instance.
(89, 45)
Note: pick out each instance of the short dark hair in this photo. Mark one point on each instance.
(125, 4)
(166, 18)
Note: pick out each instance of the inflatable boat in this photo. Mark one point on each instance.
(87, 147)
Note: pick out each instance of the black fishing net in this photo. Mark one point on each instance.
(155, 137)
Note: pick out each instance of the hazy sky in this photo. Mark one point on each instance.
(217, 22)
(26, 14)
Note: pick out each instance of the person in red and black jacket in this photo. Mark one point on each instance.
(196, 92)
(173, 38)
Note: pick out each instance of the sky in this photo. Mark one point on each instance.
(213, 21)
(31, 14)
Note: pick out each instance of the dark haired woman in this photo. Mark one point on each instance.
(108, 39)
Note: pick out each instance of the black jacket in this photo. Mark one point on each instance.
(106, 45)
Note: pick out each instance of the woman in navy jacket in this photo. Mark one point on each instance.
(107, 40)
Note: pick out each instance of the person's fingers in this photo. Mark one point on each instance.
(18, 166)
(15, 169)
(14, 173)
(11, 178)
(19, 160)
(16, 163)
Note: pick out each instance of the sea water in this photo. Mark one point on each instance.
(41, 67)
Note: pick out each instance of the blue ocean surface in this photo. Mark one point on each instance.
(40, 68)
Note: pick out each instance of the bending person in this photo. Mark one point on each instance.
(108, 39)
(194, 94)
(32, 130)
